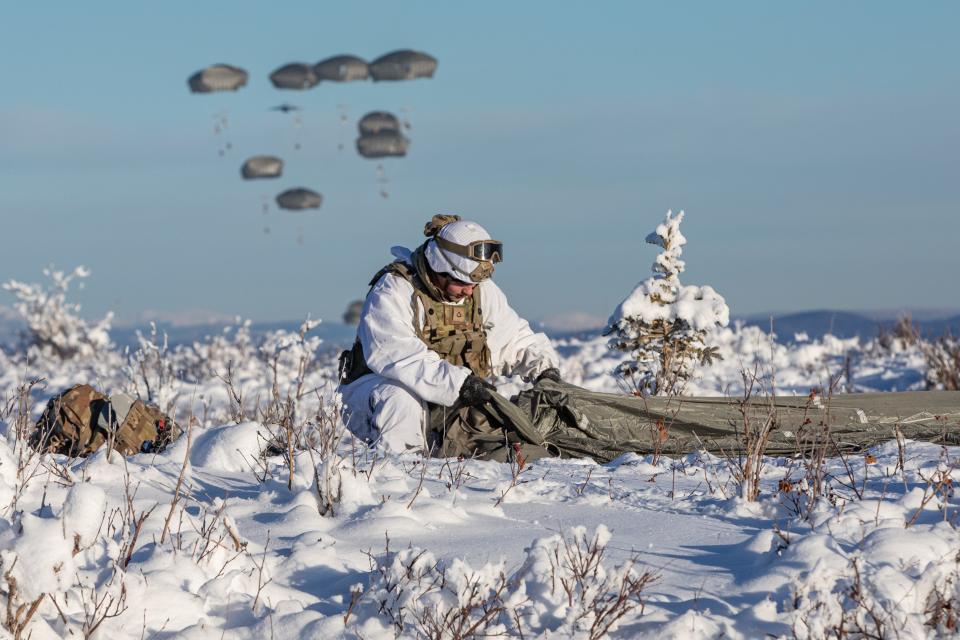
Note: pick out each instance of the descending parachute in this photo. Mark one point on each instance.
(403, 65)
(299, 198)
(380, 136)
(382, 145)
(218, 77)
(342, 69)
(262, 167)
(352, 314)
(377, 121)
(294, 76)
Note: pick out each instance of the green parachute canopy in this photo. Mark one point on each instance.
(377, 121)
(262, 167)
(295, 75)
(345, 68)
(352, 314)
(299, 198)
(218, 77)
(382, 145)
(404, 64)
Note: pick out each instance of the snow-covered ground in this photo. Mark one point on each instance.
(354, 544)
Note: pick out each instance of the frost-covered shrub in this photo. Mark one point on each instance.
(663, 323)
(55, 330)
(943, 362)
(291, 356)
(233, 347)
(564, 585)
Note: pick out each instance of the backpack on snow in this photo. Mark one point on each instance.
(80, 420)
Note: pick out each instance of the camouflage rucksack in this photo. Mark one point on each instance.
(80, 420)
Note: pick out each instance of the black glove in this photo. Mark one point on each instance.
(475, 391)
(549, 374)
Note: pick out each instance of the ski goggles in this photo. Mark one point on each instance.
(482, 250)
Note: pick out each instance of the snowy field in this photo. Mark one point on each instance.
(352, 544)
(224, 535)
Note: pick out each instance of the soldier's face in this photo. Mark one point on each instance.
(455, 290)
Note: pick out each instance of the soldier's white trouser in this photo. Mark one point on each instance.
(383, 411)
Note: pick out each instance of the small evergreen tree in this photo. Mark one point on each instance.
(663, 323)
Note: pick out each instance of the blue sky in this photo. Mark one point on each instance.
(813, 147)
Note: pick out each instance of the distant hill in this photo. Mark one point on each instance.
(843, 324)
(815, 324)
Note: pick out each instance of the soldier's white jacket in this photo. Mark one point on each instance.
(388, 404)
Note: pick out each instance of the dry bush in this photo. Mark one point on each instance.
(564, 586)
(943, 362)
(16, 414)
(19, 613)
(757, 422)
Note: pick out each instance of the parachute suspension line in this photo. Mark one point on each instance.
(407, 125)
(297, 130)
(344, 119)
(221, 123)
(382, 181)
(265, 210)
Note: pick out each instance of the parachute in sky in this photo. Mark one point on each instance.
(295, 75)
(217, 77)
(342, 69)
(352, 314)
(262, 167)
(377, 121)
(403, 65)
(382, 145)
(380, 136)
(299, 198)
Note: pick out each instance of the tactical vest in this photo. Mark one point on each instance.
(455, 332)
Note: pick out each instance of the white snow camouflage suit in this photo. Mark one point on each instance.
(389, 405)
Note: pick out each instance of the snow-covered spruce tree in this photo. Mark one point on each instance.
(663, 323)
(55, 330)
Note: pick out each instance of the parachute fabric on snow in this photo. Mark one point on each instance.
(344, 68)
(217, 77)
(262, 167)
(404, 64)
(577, 422)
(295, 75)
(299, 198)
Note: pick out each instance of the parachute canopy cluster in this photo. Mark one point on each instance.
(353, 312)
(380, 136)
(380, 132)
(404, 64)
